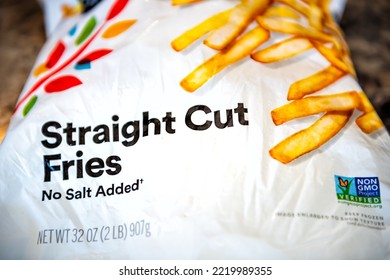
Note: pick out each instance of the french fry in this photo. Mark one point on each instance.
(328, 24)
(338, 37)
(348, 63)
(314, 82)
(71, 10)
(318, 2)
(292, 28)
(311, 138)
(331, 56)
(240, 49)
(340, 47)
(316, 16)
(369, 122)
(3, 129)
(296, 5)
(183, 2)
(226, 29)
(324, 4)
(365, 104)
(200, 30)
(281, 11)
(331, 27)
(242, 15)
(345, 101)
(282, 50)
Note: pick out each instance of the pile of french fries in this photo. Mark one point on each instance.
(308, 25)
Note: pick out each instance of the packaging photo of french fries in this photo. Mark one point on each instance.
(195, 129)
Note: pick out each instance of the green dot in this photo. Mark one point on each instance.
(29, 105)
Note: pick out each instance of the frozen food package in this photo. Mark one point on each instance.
(214, 129)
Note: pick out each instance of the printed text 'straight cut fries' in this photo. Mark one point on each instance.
(311, 138)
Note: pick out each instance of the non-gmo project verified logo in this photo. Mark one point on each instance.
(358, 190)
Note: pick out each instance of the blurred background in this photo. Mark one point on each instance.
(365, 23)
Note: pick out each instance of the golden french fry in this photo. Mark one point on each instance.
(316, 16)
(369, 122)
(314, 82)
(281, 11)
(297, 5)
(238, 50)
(331, 56)
(201, 29)
(70, 10)
(3, 129)
(324, 4)
(183, 2)
(348, 63)
(338, 38)
(310, 10)
(318, 2)
(293, 28)
(345, 101)
(311, 138)
(365, 105)
(282, 50)
(242, 15)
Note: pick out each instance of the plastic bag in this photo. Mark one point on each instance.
(132, 139)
